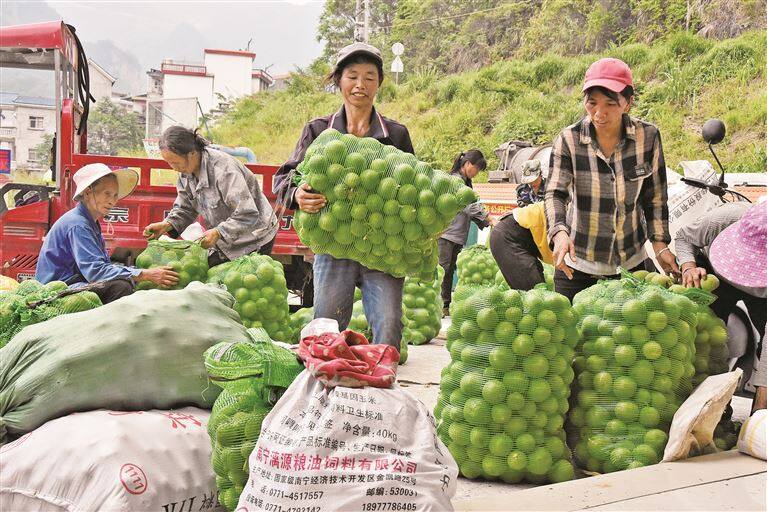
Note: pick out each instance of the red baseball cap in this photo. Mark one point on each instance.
(612, 74)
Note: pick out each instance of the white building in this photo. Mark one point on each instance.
(24, 121)
(101, 82)
(183, 92)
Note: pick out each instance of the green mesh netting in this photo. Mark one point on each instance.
(189, 259)
(711, 350)
(252, 376)
(504, 395)
(476, 266)
(299, 320)
(34, 303)
(422, 309)
(634, 369)
(260, 289)
(385, 208)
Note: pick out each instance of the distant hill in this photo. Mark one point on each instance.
(681, 81)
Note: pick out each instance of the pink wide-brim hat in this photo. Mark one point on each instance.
(739, 253)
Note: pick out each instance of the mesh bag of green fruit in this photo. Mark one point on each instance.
(634, 369)
(298, 321)
(37, 303)
(258, 284)
(476, 266)
(189, 259)
(252, 376)
(422, 309)
(385, 208)
(503, 397)
(711, 350)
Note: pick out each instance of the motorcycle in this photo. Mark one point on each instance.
(744, 341)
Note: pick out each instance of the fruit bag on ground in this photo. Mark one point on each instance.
(504, 395)
(37, 303)
(422, 309)
(340, 448)
(138, 353)
(112, 460)
(298, 321)
(385, 208)
(189, 259)
(260, 289)
(634, 369)
(476, 267)
(253, 376)
(711, 350)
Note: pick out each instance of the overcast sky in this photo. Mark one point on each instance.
(283, 32)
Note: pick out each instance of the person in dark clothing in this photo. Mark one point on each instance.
(467, 165)
(533, 185)
(358, 73)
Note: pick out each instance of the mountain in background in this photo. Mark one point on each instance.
(183, 42)
(124, 66)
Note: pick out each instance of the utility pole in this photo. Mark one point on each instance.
(367, 20)
(358, 22)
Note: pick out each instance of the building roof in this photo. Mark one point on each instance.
(262, 74)
(101, 70)
(235, 53)
(11, 98)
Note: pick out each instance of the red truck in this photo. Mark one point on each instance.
(54, 46)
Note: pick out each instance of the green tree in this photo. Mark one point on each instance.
(336, 28)
(113, 129)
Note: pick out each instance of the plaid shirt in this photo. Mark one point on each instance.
(609, 207)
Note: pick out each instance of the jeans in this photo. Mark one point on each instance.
(517, 255)
(448, 254)
(334, 282)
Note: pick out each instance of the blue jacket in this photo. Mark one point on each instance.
(74, 251)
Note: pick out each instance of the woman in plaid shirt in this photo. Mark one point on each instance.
(606, 194)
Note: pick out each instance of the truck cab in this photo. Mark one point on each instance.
(54, 46)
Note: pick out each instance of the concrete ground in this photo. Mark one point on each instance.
(421, 375)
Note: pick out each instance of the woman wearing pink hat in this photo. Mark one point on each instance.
(731, 242)
(606, 194)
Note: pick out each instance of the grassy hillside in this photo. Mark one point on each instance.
(681, 81)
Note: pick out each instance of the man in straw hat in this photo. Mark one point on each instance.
(730, 242)
(74, 250)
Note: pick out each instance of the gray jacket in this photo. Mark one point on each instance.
(228, 197)
(458, 230)
(700, 234)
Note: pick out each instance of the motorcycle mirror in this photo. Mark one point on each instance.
(713, 131)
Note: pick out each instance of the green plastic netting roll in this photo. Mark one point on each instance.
(385, 208)
(252, 375)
